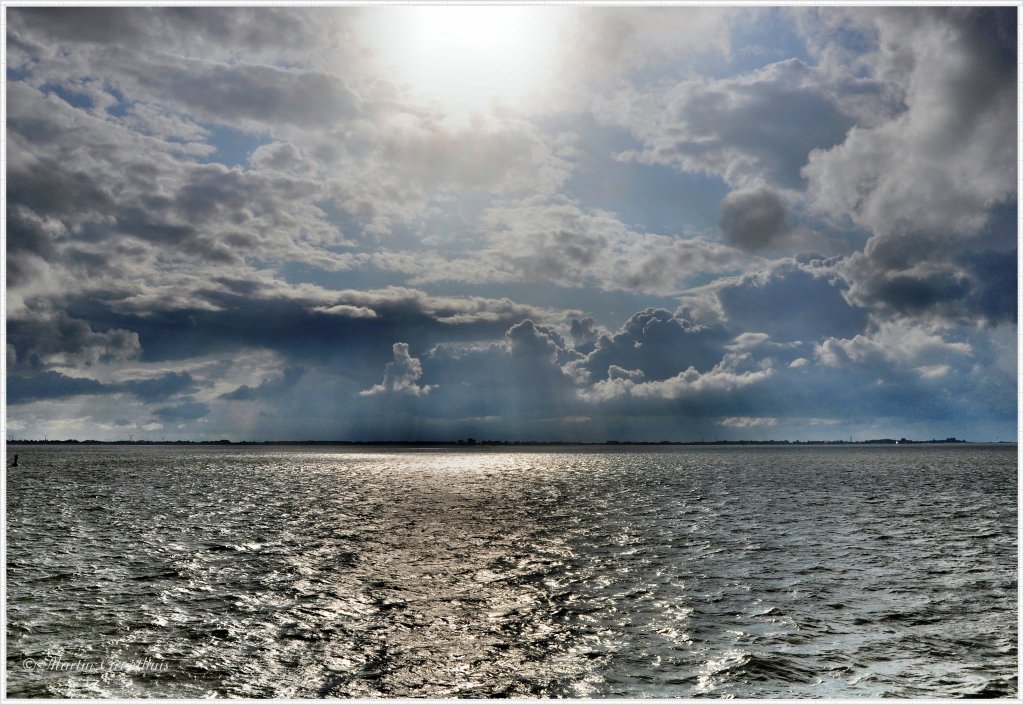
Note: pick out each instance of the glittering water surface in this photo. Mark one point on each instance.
(294, 572)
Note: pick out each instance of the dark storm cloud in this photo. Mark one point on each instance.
(159, 388)
(27, 240)
(976, 285)
(658, 343)
(790, 301)
(23, 388)
(994, 280)
(907, 293)
(309, 324)
(59, 338)
(753, 218)
(186, 411)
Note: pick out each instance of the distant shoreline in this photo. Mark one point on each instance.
(472, 443)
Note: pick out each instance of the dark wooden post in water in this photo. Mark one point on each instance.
(15, 463)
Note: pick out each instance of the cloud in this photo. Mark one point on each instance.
(159, 388)
(300, 322)
(57, 339)
(268, 389)
(527, 339)
(584, 332)
(617, 38)
(187, 30)
(616, 372)
(187, 411)
(396, 166)
(753, 218)
(791, 300)
(895, 342)
(347, 311)
(250, 95)
(748, 421)
(524, 375)
(224, 218)
(563, 243)
(49, 385)
(528, 375)
(972, 286)
(932, 371)
(758, 126)
(379, 159)
(925, 182)
(942, 163)
(727, 376)
(657, 343)
(400, 375)
(281, 156)
(65, 167)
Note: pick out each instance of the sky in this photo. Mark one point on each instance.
(578, 223)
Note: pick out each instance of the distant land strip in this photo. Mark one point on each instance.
(471, 442)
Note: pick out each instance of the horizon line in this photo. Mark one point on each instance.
(471, 442)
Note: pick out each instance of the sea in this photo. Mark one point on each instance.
(583, 572)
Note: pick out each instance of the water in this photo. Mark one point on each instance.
(665, 572)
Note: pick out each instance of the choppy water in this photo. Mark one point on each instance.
(294, 572)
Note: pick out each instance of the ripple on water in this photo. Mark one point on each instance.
(670, 572)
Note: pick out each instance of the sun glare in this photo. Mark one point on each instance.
(468, 58)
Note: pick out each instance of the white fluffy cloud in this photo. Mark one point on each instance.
(941, 163)
(400, 375)
(893, 341)
(732, 373)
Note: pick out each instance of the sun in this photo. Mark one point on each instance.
(467, 58)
